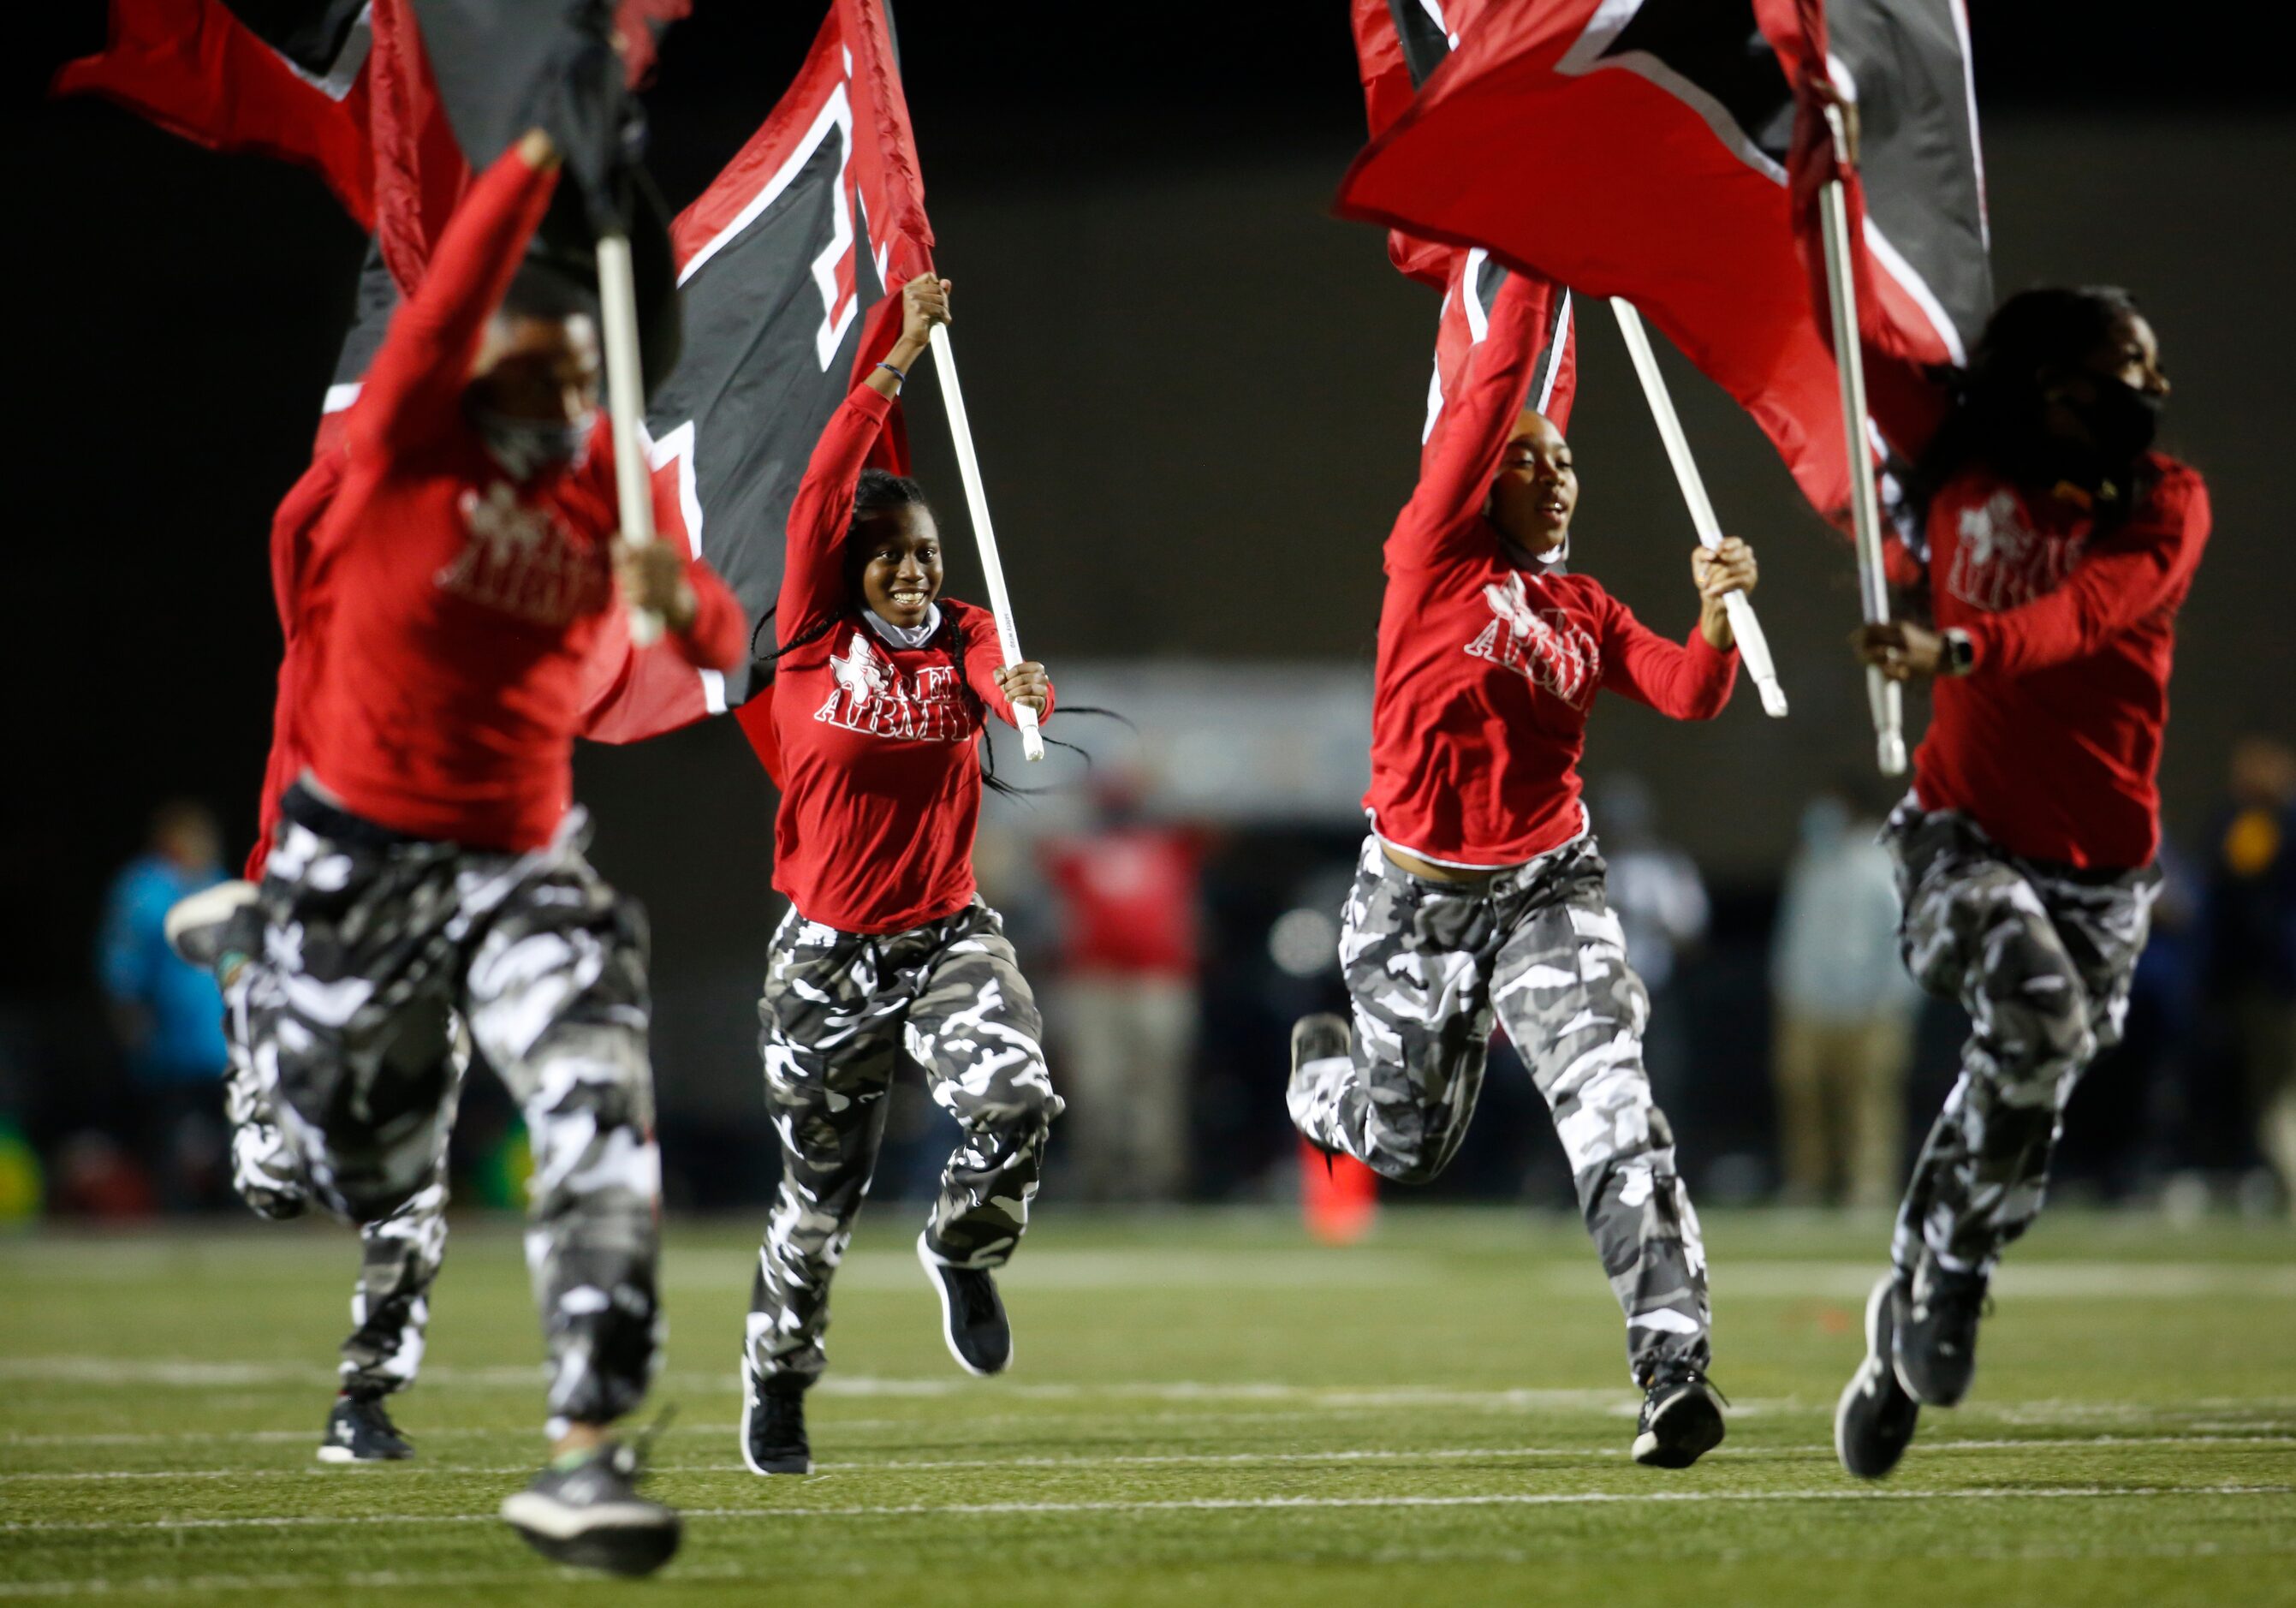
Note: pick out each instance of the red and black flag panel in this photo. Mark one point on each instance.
(283, 79)
(786, 264)
(1639, 148)
(1920, 244)
(1549, 328)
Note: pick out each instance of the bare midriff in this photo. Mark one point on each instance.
(1434, 873)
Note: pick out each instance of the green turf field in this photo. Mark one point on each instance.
(1204, 1409)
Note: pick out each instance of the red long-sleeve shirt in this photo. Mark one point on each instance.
(2052, 742)
(1487, 668)
(874, 746)
(448, 610)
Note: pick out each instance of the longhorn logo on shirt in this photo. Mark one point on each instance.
(521, 560)
(2002, 561)
(1545, 644)
(873, 696)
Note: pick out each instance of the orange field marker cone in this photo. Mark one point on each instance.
(1339, 1195)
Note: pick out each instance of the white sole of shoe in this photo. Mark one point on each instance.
(947, 1320)
(205, 908)
(749, 1406)
(556, 1522)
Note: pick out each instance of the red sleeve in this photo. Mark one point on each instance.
(720, 634)
(1689, 680)
(983, 656)
(813, 575)
(2121, 579)
(1457, 469)
(414, 388)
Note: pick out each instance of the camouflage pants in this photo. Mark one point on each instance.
(838, 1011)
(2040, 956)
(372, 942)
(399, 1255)
(1431, 965)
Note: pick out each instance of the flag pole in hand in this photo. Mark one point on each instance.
(618, 309)
(1882, 694)
(976, 498)
(1753, 645)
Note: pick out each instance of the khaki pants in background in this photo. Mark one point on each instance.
(1127, 1043)
(1840, 1088)
(2267, 1026)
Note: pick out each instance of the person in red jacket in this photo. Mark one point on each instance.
(873, 731)
(428, 860)
(2060, 547)
(1479, 893)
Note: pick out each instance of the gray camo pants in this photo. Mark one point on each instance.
(1536, 950)
(399, 1254)
(372, 943)
(839, 1011)
(2041, 957)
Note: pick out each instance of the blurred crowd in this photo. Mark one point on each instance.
(1784, 1036)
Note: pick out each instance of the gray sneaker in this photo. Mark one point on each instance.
(585, 1510)
(203, 927)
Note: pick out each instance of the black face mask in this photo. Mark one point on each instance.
(2120, 419)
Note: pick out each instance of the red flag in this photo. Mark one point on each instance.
(1621, 148)
(1638, 148)
(194, 68)
(788, 263)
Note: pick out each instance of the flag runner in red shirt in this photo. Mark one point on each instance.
(427, 859)
(2060, 547)
(873, 731)
(1480, 895)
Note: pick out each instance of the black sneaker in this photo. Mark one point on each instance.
(1873, 1423)
(772, 1428)
(583, 1509)
(358, 1431)
(972, 1315)
(1935, 1350)
(201, 928)
(1682, 1417)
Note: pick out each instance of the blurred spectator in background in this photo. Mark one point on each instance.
(1843, 1033)
(2250, 978)
(1126, 1015)
(1660, 901)
(169, 1015)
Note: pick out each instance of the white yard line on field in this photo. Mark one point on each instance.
(1194, 1505)
(1379, 1455)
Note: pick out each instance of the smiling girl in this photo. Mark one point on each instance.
(1479, 893)
(872, 729)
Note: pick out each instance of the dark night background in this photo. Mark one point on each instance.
(1198, 399)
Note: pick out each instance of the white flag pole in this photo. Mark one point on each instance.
(618, 306)
(1882, 695)
(1753, 645)
(976, 498)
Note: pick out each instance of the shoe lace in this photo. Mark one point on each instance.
(1683, 1372)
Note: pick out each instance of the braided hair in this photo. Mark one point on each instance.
(879, 491)
(1999, 404)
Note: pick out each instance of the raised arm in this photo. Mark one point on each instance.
(813, 574)
(1471, 432)
(412, 391)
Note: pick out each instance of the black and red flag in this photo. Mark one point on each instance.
(284, 78)
(1399, 44)
(1640, 149)
(786, 263)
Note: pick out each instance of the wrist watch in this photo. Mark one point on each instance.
(1960, 652)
